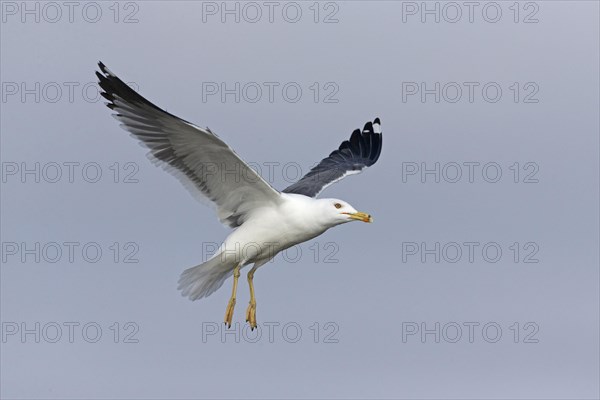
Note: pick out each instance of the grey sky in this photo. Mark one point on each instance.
(363, 288)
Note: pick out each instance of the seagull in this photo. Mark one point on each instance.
(266, 221)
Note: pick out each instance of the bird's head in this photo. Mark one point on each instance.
(339, 212)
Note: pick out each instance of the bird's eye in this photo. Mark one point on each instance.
(338, 205)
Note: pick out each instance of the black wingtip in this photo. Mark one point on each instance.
(368, 127)
(377, 121)
(103, 68)
(112, 87)
(355, 137)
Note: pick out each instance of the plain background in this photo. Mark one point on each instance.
(371, 295)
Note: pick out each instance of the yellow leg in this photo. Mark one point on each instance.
(251, 311)
(231, 304)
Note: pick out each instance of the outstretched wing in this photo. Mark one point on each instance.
(205, 164)
(360, 151)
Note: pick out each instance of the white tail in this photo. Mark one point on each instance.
(204, 279)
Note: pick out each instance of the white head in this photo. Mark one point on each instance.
(336, 212)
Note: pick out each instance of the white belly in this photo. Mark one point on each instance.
(271, 230)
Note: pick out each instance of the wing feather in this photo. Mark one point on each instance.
(355, 154)
(203, 162)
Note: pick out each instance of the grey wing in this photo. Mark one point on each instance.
(360, 151)
(205, 164)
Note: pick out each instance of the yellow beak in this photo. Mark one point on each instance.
(360, 216)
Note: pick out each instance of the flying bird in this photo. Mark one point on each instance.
(266, 221)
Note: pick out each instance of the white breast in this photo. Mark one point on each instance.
(270, 230)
